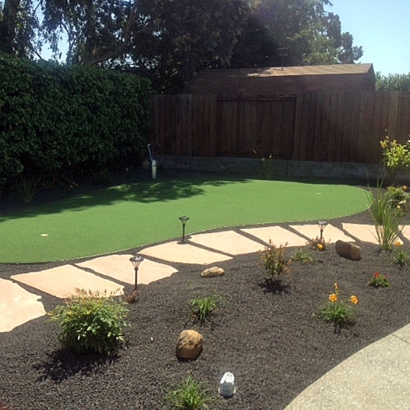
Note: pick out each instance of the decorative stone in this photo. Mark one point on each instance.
(227, 385)
(189, 345)
(212, 272)
(348, 250)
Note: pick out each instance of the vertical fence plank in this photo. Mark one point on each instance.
(341, 127)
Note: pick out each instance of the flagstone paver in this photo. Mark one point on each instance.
(277, 234)
(63, 280)
(330, 233)
(366, 233)
(183, 253)
(229, 242)
(17, 306)
(120, 268)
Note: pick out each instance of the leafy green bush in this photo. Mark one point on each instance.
(91, 322)
(58, 120)
(203, 307)
(274, 261)
(190, 395)
(396, 156)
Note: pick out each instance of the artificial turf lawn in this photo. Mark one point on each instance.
(132, 215)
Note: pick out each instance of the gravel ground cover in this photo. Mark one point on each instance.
(270, 341)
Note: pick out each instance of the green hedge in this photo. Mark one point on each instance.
(57, 121)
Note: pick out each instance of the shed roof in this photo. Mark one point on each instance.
(286, 80)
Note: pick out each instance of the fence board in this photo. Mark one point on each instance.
(333, 127)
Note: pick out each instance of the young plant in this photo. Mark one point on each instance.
(274, 261)
(400, 256)
(379, 281)
(387, 219)
(302, 255)
(338, 311)
(203, 307)
(91, 322)
(26, 186)
(267, 166)
(399, 197)
(189, 395)
(318, 244)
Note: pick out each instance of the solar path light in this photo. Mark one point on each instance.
(183, 220)
(136, 261)
(322, 226)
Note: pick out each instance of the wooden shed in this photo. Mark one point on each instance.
(274, 81)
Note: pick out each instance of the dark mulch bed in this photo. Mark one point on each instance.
(270, 341)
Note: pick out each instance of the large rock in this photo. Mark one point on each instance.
(212, 272)
(189, 345)
(348, 250)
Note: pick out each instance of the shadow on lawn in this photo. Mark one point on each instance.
(143, 190)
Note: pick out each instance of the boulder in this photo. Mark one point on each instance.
(212, 272)
(348, 250)
(189, 345)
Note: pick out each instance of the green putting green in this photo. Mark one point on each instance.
(141, 213)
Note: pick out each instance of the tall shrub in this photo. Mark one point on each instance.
(56, 119)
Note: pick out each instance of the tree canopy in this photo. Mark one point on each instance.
(393, 82)
(170, 40)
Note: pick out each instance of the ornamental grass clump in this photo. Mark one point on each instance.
(91, 322)
(379, 281)
(202, 308)
(386, 218)
(275, 262)
(338, 311)
(189, 395)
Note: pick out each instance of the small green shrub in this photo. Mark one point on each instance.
(337, 311)
(399, 197)
(400, 256)
(274, 261)
(396, 157)
(302, 255)
(203, 307)
(91, 322)
(379, 281)
(189, 395)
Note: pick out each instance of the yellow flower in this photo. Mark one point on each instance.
(398, 243)
(335, 286)
(333, 297)
(354, 299)
(320, 246)
(404, 187)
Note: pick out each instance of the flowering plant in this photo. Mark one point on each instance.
(318, 244)
(379, 281)
(338, 311)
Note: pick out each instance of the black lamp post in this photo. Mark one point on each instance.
(136, 261)
(322, 226)
(183, 220)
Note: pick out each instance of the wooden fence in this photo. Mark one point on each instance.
(332, 127)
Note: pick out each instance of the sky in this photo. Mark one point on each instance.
(382, 28)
